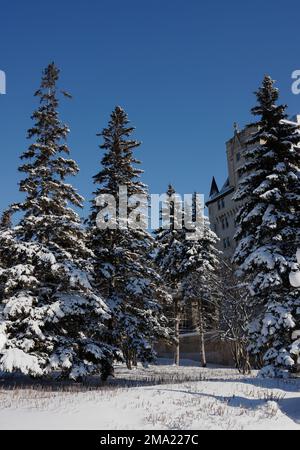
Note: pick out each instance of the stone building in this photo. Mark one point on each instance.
(222, 208)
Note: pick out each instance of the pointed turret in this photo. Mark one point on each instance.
(171, 191)
(214, 188)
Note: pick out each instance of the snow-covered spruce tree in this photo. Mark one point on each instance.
(189, 267)
(122, 264)
(295, 274)
(200, 264)
(5, 225)
(52, 319)
(295, 282)
(200, 282)
(5, 220)
(268, 229)
(169, 238)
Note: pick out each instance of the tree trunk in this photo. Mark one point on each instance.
(127, 356)
(134, 359)
(201, 333)
(177, 324)
(241, 356)
(129, 362)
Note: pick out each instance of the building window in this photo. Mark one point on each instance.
(238, 156)
(221, 203)
(225, 223)
(224, 243)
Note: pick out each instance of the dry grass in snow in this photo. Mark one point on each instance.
(160, 397)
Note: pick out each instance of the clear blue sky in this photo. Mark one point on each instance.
(183, 70)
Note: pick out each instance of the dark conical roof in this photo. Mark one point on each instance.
(170, 190)
(214, 188)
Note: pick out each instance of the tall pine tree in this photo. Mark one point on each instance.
(200, 282)
(168, 255)
(52, 319)
(268, 229)
(187, 258)
(122, 264)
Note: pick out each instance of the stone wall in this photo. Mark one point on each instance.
(217, 351)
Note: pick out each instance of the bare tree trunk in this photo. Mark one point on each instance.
(134, 359)
(127, 357)
(129, 364)
(241, 356)
(177, 324)
(201, 333)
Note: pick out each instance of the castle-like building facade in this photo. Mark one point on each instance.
(222, 209)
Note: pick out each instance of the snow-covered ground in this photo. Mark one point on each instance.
(160, 397)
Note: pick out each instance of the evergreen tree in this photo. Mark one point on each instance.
(200, 282)
(269, 229)
(5, 220)
(188, 259)
(52, 319)
(5, 226)
(295, 283)
(122, 263)
(169, 238)
(295, 274)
